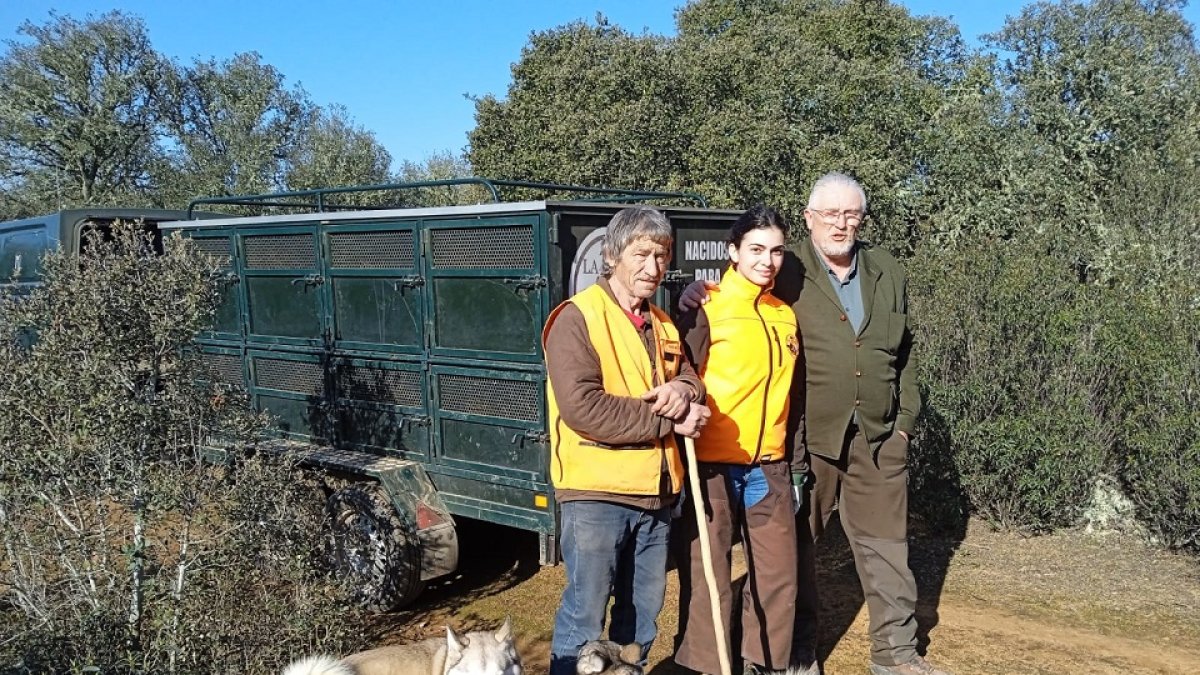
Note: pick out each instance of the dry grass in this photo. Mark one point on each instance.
(991, 602)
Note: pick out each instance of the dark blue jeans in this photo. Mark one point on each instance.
(609, 550)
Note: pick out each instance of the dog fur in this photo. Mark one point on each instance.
(605, 657)
(474, 653)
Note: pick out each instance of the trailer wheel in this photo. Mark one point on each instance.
(374, 548)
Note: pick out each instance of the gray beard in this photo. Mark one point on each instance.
(832, 250)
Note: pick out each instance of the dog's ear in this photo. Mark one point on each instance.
(631, 653)
(456, 642)
(504, 633)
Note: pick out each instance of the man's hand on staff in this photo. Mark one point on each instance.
(697, 417)
(695, 294)
(670, 399)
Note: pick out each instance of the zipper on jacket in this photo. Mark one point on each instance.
(762, 421)
(778, 344)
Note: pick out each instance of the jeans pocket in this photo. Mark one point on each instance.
(755, 488)
(775, 479)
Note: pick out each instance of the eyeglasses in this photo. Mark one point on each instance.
(832, 216)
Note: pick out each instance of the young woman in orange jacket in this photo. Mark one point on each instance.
(744, 344)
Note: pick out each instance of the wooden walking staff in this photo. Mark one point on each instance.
(706, 553)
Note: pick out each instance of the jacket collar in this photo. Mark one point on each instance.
(868, 275)
(740, 287)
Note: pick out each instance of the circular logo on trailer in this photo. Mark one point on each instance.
(588, 265)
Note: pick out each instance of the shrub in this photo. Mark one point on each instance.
(1006, 333)
(1152, 343)
(123, 548)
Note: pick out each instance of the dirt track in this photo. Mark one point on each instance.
(991, 603)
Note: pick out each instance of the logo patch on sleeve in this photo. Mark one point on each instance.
(793, 345)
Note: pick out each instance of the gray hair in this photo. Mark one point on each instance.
(838, 179)
(630, 224)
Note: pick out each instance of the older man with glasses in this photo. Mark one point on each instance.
(855, 404)
(860, 408)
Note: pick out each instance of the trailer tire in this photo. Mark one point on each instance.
(373, 547)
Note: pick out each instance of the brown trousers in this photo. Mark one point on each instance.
(768, 533)
(870, 491)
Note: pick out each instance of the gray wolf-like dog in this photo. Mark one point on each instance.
(605, 657)
(475, 653)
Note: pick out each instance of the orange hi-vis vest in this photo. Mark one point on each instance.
(579, 463)
(748, 373)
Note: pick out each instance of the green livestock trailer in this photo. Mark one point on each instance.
(399, 352)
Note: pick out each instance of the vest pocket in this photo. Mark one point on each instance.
(610, 446)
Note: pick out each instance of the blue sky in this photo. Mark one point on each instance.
(403, 68)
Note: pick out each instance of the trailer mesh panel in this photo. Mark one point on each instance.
(509, 399)
(280, 252)
(217, 248)
(397, 387)
(302, 377)
(483, 247)
(365, 250)
(224, 368)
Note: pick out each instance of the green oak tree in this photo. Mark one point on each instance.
(80, 113)
(1106, 96)
(588, 104)
(750, 102)
(333, 151)
(235, 127)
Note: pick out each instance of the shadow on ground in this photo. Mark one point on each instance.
(929, 555)
(492, 559)
(841, 597)
(938, 517)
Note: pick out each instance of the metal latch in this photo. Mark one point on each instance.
(410, 281)
(528, 282)
(677, 277)
(413, 421)
(530, 435)
(309, 280)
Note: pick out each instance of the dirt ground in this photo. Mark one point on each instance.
(991, 602)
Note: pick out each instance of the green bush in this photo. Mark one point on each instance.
(121, 547)
(1040, 381)
(1007, 349)
(1151, 339)
(1152, 343)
